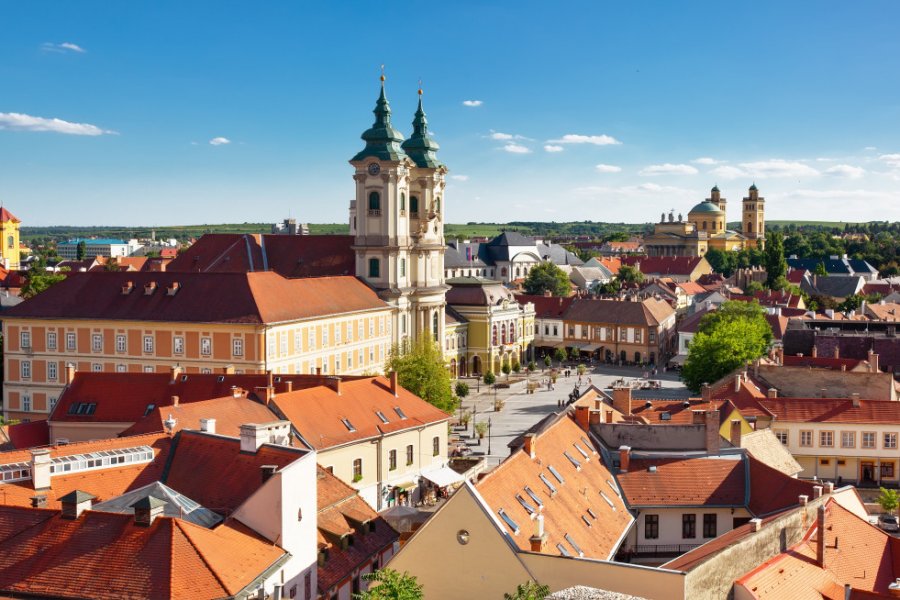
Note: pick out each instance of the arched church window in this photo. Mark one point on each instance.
(374, 201)
(517, 272)
(494, 336)
(402, 201)
(749, 227)
(704, 224)
(503, 272)
(10, 242)
(414, 204)
(434, 325)
(503, 333)
(374, 267)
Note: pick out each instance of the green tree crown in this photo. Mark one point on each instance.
(547, 277)
(421, 370)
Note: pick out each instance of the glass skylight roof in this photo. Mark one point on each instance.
(556, 474)
(508, 520)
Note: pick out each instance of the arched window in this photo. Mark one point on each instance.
(434, 325)
(512, 333)
(374, 267)
(503, 333)
(402, 201)
(494, 336)
(518, 272)
(503, 272)
(402, 267)
(749, 227)
(374, 201)
(414, 204)
(437, 205)
(10, 242)
(704, 224)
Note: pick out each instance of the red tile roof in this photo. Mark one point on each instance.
(867, 558)
(26, 435)
(778, 324)
(547, 307)
(664, 265)
(212, 471)
(229, 412)
(341, 511)
(287, 255)
(821, 362)
(264, 297)
(772, 491)
(707, 481)
(317, 412)
(691, 288)
(650, 311)
(105, 555)
(832, 410)
(678, 413)
(6, 216)
(589, 487)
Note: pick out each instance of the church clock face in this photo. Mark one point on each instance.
(374, 169)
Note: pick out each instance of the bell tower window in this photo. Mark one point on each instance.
(10, 242)
(374, 203)
(374, 268)
(414, 205)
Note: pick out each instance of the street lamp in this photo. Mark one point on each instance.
(489, 436)
(474, 411)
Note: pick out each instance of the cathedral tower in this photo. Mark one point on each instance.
(715, 196)
(754, 221)
(397, 221)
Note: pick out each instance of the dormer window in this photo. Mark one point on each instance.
(528, 507)
(399, 412)
(556, 474)
(572, 460)
(348, 425)
(381, 416)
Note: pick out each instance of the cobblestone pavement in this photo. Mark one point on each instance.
(522, 410)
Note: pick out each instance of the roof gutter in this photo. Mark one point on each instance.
(260, 580)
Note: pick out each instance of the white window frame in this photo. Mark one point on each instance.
(283, 342)
(205, 346)
(120, 368)
(25, 369)
(892, 445)
(52, 371)
(96, 368)
(25, 339)
(872, 442)
(121, 343)
(178, 344)
(51, 340)
(26, 402)
(96, 342)
(848, 435)
(71, 340)
(237, 346)
(149, 344)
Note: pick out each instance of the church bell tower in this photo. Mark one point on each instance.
(754, 220)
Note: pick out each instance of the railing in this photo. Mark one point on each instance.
(374, 212)
(648, 550)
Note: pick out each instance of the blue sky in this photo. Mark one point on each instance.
(544, 111)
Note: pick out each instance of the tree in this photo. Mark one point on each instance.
(574, 353)
(776, 267)
(505, 368)
(753, 287)
(548, 361)
(547, 277)
(820, 270)
(39, 279)
(421, 370)
(559, 354)
(628, 274)
(530, 590)
(516, 367)
(462, 389)
(80, 250)
(888, 500)
(726, 339)
(489, 378)
(391, 585)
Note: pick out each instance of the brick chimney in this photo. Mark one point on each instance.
(334, 383)
(735, 433)
(837, 352)
(74, 503)
(175, 400)
(40, 468)
(208, 425)
(583, 417)
(270, 379)
(622, 399)
(539, 539)
(394, 384)
(779, 356)
(737, 382)
(706, 392)
(713, 439)
(624, 458)
(873, 362)
(530, 445)
(803, 499)
(755, 524)
(772, 392)
(817, 491)
(820, 536)
(70, 373)
(147, 509)
(829, 487)
(288, 386)
(854, 397)
(814, 353)
(253, 435)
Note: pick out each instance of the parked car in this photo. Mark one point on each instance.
(888, 523)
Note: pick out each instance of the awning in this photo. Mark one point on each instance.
(406, 485)
(443, 477)
(678, 359)
(587, 347)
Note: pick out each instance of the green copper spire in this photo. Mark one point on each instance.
(420, 147)
(382, 140)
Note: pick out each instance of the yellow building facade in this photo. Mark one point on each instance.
(10, 254)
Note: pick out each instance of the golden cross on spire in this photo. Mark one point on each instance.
(420, 86)
(382, 73)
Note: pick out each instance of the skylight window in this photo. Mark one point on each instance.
(15, 471)
(613, 488)
(592, 513)
(608, 501)
(399, 412)
(562, 550)
(586, 520)
(149, 409)
(574, 545)
(348, 425)
(665, 416)
(525, 505)
(588, 444)
(101, 459)
(556, 474)
(534, 497)
(582, 452)
(381, 416)
(572, 460)
(82, 408)
(548, 484)
(508, 520)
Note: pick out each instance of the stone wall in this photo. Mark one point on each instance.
(803, 382)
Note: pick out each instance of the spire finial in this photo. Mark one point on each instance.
(420, 87)
(382, 75)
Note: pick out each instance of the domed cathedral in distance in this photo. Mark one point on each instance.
(706, 228)
(397, 222)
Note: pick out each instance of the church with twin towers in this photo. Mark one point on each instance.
(397, 222)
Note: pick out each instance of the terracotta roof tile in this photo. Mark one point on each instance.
(6, 216)
(664, 265)
(590, 487)
(832, 410)
(317, 413)
(229, 412)
(707, 481)
(772, 491)
(649, 311)
(26, 435)
(547, 307)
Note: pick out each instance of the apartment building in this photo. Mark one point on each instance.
(147, 322)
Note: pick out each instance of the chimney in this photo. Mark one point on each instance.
(175, 400)
(817, 491)
(622, 399)
(779, 356)
(253, 435)
(873, 362)
(228, 370)
(74, 503)
(40, 468)
(539, 539)
(173, 288)
(334, 383)
(737, 382)
(772, 393)
(837, 352)
(706, 392)
(147, 509)
(208, 425)
(288, 386)
(270, 379)
(814, 353)
(236, 391)
(394, 385)
(820, 536)
(804, 499)
(70, 373)
(530, 444)
(175, 372)
(713, 439)
(823, 392)
(854, 397)
(583, 417)
(755, 524)
(624, 458)
(736, 433)
(267, 471)
(829, 487)
(39, 501)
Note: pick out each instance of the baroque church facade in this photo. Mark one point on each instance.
(706, 228)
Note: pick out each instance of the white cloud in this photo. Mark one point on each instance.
(20, 122)
(219, 141)
(870, 148)
(62, 48)
(728, 172)
(848, 171)
(459, 177)
(553, 148)
(596, 140)
(472, 103)
(496, 135)
(601, 168)
(891, 159)
(706, 161)
(668, 169)
(516, 148)
(777, 167)
(641, 190)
